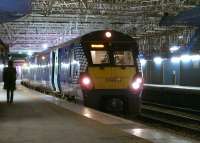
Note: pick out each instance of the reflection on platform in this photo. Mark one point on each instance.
(173, 86)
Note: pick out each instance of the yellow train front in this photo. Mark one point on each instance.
(112, 81)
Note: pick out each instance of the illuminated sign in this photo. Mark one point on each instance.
(97, 46)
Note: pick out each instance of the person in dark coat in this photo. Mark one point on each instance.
(9, 79)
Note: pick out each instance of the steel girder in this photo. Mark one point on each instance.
(56, 21)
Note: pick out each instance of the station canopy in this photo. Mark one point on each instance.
(34, 25)
(190, 17)
(13, 9)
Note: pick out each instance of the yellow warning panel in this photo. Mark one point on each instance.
(111, 77)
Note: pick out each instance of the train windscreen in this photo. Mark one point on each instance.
(123, 58)
(100, 57)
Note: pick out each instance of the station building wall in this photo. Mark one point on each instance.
(172, 73)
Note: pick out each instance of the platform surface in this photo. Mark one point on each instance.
(33, 120)
(39, 118)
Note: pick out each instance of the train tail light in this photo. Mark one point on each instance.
(137, 84)
(86, 82)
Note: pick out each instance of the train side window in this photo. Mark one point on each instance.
(100, 57)
(123, 58)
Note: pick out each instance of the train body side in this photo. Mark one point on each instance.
(72, 62)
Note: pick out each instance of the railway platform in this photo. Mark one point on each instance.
(38, 118)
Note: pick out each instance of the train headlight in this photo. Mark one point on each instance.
(86, 82)
(137, 84)
(108, 34)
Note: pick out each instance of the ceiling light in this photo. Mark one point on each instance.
(43, 58)
(174, 48)
(45, 46)
(195, 57)
(158, 60)
(185, 58)
(180, 37)
(175, 59)
(143, 62)
(30, 53)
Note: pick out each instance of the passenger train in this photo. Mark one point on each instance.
(99, 69)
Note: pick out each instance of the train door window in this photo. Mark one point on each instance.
(68, 61)
(123, 58)
(74, 66)
(100, 57)
(71, 64)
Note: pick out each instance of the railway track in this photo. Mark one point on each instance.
(179, 117)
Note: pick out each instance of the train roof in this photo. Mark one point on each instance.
(95, 36)
(100, 35)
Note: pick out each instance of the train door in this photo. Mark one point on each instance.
(51, 75)
(55, 70)
(51, 68)
(35, 69)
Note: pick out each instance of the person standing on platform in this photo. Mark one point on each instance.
(9, 79)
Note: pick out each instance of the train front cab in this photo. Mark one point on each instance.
(112, 82)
